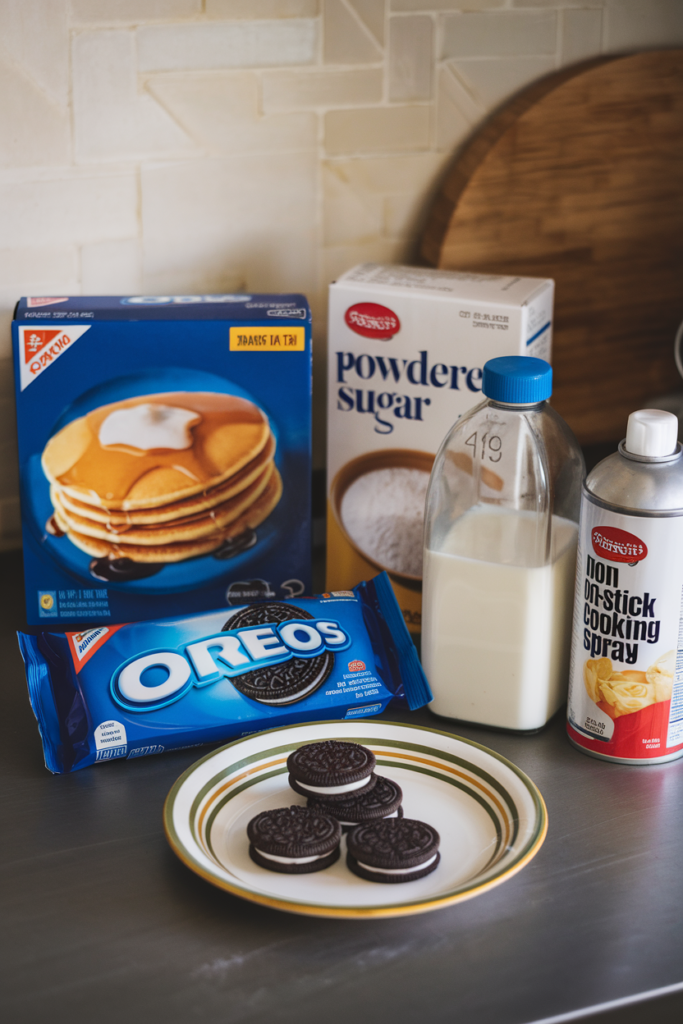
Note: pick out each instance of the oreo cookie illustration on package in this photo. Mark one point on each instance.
(142, 688)
(294, 679)
(294, 840)
(393, 850)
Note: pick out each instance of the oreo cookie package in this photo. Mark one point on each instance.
(146, 687)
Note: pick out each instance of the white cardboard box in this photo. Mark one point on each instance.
(406, 350)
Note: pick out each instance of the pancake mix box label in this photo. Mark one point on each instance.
(164, 451)
(406, 350)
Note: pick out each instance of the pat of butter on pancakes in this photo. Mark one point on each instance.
(148, 427)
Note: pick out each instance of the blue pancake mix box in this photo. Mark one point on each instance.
(164, 453)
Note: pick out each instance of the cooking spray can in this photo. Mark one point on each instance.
(626, 674)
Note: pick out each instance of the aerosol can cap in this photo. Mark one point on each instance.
(651, 432)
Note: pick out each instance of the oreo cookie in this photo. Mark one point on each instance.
(393, 850)
(278, 685)
(294, 840)
(331, 770)
(383, 801)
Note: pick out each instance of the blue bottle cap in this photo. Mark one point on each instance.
(517, 380)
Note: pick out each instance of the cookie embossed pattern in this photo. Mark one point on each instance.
(393, 851)
(294, 840)
(292, 680)
(331, 770)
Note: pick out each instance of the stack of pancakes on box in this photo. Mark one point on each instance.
(162, 478)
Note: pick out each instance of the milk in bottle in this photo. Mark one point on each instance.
(500, 554)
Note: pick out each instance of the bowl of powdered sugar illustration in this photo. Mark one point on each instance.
(378, 500)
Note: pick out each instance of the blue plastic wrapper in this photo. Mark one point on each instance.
(142, 688)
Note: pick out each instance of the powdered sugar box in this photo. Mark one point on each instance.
(406, 351)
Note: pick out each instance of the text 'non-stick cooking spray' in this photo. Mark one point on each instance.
(626, 675)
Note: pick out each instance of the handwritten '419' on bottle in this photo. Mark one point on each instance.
(626, 678)
(500, 554)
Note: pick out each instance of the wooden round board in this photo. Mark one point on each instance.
(580, 178)
(489, 814)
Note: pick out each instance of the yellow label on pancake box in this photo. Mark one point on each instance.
(267, 339)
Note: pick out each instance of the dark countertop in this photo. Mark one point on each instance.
(101, 921)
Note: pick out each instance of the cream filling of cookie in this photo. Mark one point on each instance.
(397, 871)
(394, 814)
(348, 788)
(292, 860)
(148, 427)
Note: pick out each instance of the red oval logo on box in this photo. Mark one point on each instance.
(372, 320)
(356, 666)
(617, 545)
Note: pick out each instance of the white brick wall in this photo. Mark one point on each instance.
(201, 145)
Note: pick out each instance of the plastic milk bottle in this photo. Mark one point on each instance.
(501, 526)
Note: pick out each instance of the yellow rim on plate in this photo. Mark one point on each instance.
(484, 776)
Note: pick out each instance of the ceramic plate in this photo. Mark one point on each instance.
(490, 815)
